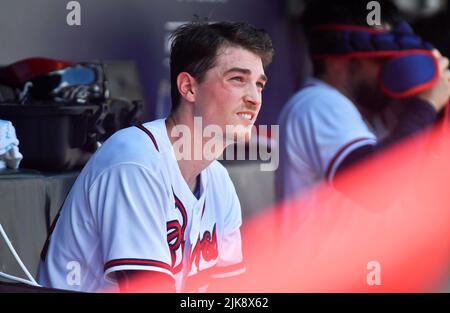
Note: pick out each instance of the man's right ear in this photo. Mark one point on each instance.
(186, 86)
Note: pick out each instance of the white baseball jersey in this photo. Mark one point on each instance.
(131, 209)
(319, 127)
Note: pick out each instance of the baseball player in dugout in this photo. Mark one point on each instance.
(153, 204)
(372, 85)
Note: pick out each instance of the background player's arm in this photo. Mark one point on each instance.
(421, 113)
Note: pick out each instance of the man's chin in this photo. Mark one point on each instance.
(238, 138)
(239, 133)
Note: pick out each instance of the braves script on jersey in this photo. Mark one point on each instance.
(131, 209)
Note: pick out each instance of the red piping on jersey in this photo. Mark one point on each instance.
(50, 232)
(145, 130)
(336, 156)
(180, 206)
(145, 262)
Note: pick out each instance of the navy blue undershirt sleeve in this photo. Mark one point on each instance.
(419, 115)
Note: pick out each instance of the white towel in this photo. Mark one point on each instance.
(9, 146)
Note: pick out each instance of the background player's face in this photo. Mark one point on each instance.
(231, 91)
(364, 76)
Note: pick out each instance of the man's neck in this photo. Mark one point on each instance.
(193, 163)
(339, 84)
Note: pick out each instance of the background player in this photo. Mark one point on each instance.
(341, 116)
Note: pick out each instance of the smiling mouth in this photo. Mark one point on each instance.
(246, 115)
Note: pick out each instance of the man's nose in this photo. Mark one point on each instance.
(253, 97)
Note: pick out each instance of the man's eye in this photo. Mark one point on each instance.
(238, 78)
(261, 86)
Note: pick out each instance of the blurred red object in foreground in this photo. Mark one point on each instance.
(393, 235)
(398, 218)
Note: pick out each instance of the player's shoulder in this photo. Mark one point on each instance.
(317, 94)
(316, 98)
(142, 145)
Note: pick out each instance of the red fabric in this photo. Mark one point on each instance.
(25, 70)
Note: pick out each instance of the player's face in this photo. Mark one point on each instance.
(231, 92)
